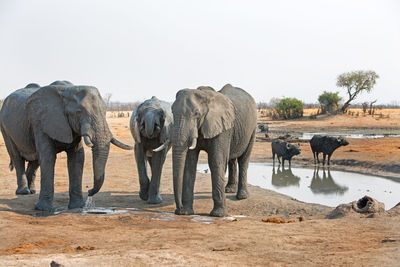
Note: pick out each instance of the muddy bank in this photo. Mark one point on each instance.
(369, 156)
(128, 239)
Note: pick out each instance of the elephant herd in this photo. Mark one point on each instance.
(39, 122)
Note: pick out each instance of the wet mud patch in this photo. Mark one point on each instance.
(34, 247)
(139, 215)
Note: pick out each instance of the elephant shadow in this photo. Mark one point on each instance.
(325, 184)
(284, 177)
(25, 204)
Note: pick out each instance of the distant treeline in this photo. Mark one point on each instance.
(272, 104)
(122, 106)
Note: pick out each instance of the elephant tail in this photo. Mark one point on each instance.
(11, 166)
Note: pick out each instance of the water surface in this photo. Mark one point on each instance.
(321, 185)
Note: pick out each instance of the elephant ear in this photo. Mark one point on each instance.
(167, 127)
(46, 109)
(220, 115)
(134, 126)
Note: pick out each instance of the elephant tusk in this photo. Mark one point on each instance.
(120, 144)
(194, 144)
(162, 147)
(89, 143)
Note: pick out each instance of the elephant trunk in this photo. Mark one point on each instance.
(100, 155)
(179, 158)
(149, 121)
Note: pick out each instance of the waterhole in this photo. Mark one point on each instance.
(308, 136)
(320, 185)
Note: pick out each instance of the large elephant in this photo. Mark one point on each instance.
(223, 124)
(150, 125)
(39, 122)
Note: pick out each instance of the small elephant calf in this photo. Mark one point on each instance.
(284, 150)
(150, 126)
(326, 145)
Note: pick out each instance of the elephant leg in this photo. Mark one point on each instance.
(47, 160)
(189, 177)
(156, 163)
(76, 159)
(231, 187)
(243, 161)
(19, 163)
(31, 175)
(141, 166)
(22, 181)
(218, 154)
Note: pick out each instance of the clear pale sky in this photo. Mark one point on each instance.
(136, 49)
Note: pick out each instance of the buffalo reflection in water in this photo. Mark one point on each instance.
(284, 177)
(325, 185)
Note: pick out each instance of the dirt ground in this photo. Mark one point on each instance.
(148, 237)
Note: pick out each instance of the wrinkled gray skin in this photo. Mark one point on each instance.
(284, 150)
(150, 125)
(327, 145)
(221, 123)
(39, 122)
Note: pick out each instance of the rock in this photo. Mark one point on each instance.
(369, 205)
(55, 264)
(302, 219)
(366, 205)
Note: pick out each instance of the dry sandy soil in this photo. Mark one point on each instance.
(147, 237)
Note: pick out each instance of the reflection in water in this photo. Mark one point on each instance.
(325, 185)
(319, 186)
(284, 177)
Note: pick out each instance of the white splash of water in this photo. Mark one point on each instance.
(89, 204)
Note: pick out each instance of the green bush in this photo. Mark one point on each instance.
(329, 101)
(289, 108)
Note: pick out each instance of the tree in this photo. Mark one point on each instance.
(329, 101)
(289, 108)
(107, 100)
(356, 82)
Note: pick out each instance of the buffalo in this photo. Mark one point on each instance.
(326, 145)
(284, 150)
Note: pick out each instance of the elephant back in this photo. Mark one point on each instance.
(13, 118)
(245, 121)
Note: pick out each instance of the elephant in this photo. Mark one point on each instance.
(150, 125)
(221, 123)
(39, 122)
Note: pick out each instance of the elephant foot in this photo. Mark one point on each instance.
(23, 191)
(230, 188)
(242, 194)
(33, 190)
(74, 204)
(154, 199)
(219, 212)
(144, 194)
(184, 211)
(44, 205)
